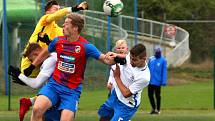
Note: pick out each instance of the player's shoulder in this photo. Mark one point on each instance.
(83, 40)
(59, 38)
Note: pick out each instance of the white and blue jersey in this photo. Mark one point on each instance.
(117, 107)
(133, 78)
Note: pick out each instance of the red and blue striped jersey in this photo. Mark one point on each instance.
(71, 60)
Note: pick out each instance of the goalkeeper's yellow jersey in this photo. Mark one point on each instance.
(47, 21)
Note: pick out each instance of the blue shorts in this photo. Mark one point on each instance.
(115, 110)
(59, 94)
(52, 115)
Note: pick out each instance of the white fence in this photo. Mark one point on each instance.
(151, 33)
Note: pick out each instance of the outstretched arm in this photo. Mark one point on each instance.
(111, 58)
(34, 82)
(41, 57)
(63, 12)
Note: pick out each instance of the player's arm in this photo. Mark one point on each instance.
(63, 12)
(35, 83)
(124, 90)
(107, 58)
(45, 72)
(164, 73)
(41, 57)
(92, 51)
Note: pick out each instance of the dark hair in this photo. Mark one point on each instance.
(50, 3)
(30, 48)
(77, 20)
(138, 50)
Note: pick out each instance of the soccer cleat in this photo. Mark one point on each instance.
(25, 104)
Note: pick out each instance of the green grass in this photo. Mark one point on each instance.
(166, 115)
(186, 102)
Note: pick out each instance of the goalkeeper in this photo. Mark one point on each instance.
(47, 28)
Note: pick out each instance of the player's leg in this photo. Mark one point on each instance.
(67, 115)
(48, 96)
(41, 105)
(25, 104)
(151, 98)
(106, 110)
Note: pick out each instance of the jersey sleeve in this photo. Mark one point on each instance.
(49, 65)
(57, 15)
(164, 72)
(51, 47)
(92, 51)
(46, 71)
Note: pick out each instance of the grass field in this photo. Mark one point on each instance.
(186, 102)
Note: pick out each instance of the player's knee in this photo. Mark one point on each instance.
(37, 112)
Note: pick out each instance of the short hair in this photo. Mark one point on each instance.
(77, 20)
(50, 3)
(138, 50)
(120, 42)
(30, 48)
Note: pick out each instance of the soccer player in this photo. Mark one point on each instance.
(121, 47)
(47, 27)
(128, 82)
(65, 85)
(158, 68)
(46, 69)
(45, 30)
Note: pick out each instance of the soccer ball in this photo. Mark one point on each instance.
(113, 7)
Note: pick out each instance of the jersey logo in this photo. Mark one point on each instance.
(158, 64)
(132, 78)
(67, 58)
(66, 67)
(77, 49)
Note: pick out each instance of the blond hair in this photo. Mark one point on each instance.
(120, 42)
(77, 20)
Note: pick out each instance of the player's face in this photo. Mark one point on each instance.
(68, 28)
(34, 54)
(121, 49)
(53, 9)
(137, 61)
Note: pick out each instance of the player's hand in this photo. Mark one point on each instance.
(29, 70)
(14, 71)
(120, 60)
(116, 72)
(82, 6)
(44, 38)
(18, 81)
